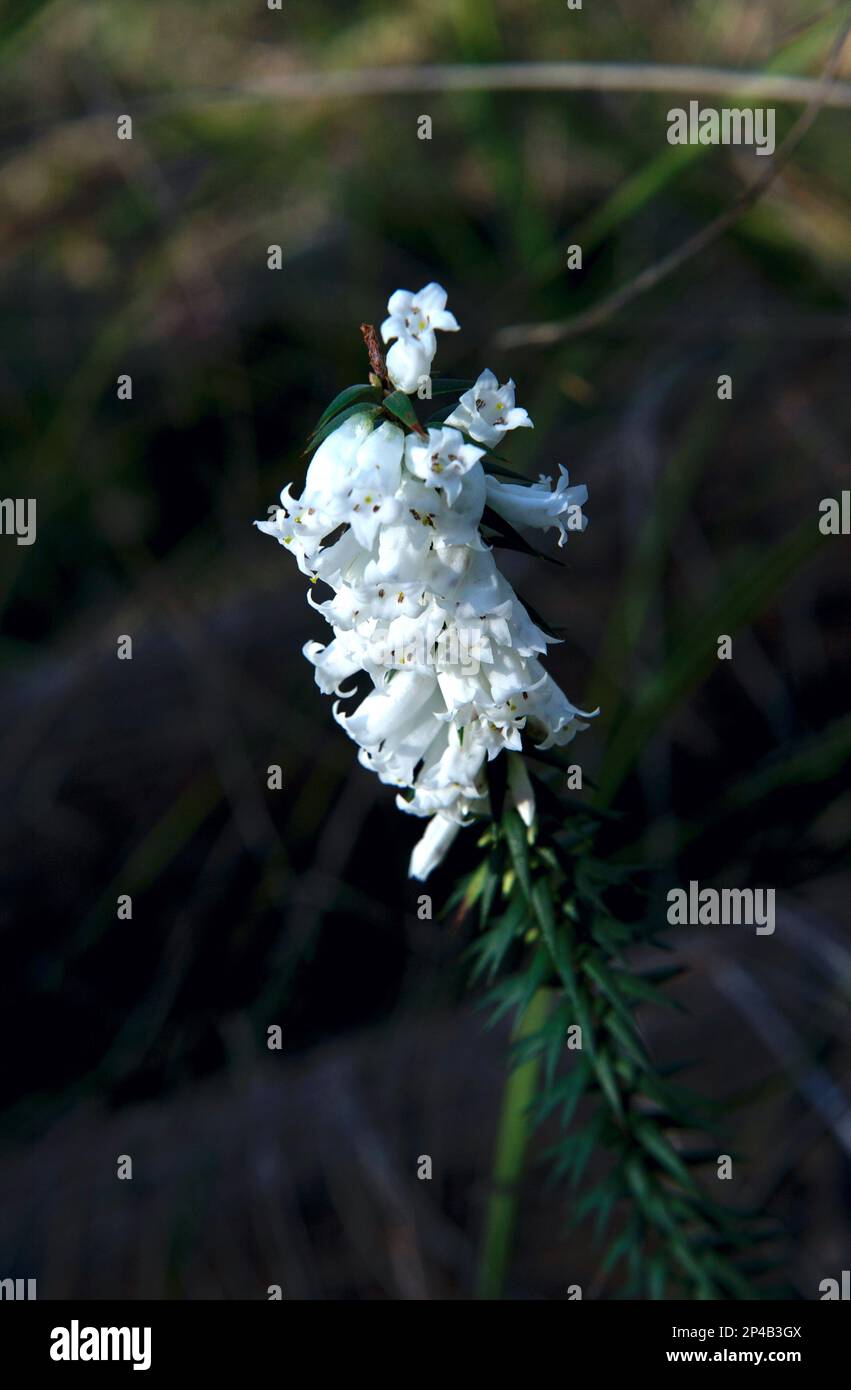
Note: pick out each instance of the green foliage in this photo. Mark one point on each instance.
(399, 406)
(548, 932)
(501, 533)
(492, 464)
(449, 386)
(349, 396)
(333, 422)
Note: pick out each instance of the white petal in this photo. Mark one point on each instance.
(399, 303)
(517, 418)
(521, 787)
(432, 298)
(430, 850)
(407, 361)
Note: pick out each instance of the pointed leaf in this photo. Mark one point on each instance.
(336, 420)
(656, 1144)
(497, 775)
(518, 848)
(399, 405)
(437, 419)
(493, 465)
(510, 539)
(609, 1086)
(542, 902)
(449, 386)
(349, 396)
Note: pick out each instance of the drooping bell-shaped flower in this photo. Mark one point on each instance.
(432, 847)
(538, 506)
(412, 321)
(390, 522)
(442, 460)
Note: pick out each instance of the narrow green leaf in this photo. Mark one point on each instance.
(658, 1277)
(543, 904)
(518, 848)
(349, 396)
(606, 982)
(488, 892)
(449, 386)
(490, 950)
(509, 539)
(585, 1145)
(656, 1144)
(334, 423)
(628, 1240)
(492, 465)
(689, 1263)
(564, 1094)
(399, 405)
(644, 990)
(609, 1086)
(738, 601)
(438, 417)
(628, 1039)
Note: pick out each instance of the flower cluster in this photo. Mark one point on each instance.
(389, 520)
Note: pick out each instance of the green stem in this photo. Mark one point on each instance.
(511, 1144)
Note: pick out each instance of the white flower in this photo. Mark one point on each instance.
(536, 505)
(447, 525)
(390, 522)
(300, 529)
(386, 711)
(407, 362)
(487, 411)
(442, 461)
(418, 316)
(430, 850)
(372, 496)
(335, 663)
(485, 595)
(413, 320)
(520, 786)
(330, 471)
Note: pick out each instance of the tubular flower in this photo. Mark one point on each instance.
(412, 320)
(389, 522)
(536, 505)
(487, 411)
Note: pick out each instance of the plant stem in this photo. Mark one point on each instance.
(512, 1140)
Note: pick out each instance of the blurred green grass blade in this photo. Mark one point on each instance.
(739, 603)
(635, 192)
(18, 19)
(811, 761)
(649, 560)
(638, 189)
(149, 859)
(632, 195)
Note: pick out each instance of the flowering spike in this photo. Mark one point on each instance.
(390, 520)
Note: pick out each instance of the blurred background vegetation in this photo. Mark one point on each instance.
(253, 907)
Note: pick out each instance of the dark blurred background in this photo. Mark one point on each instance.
(148, 777)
